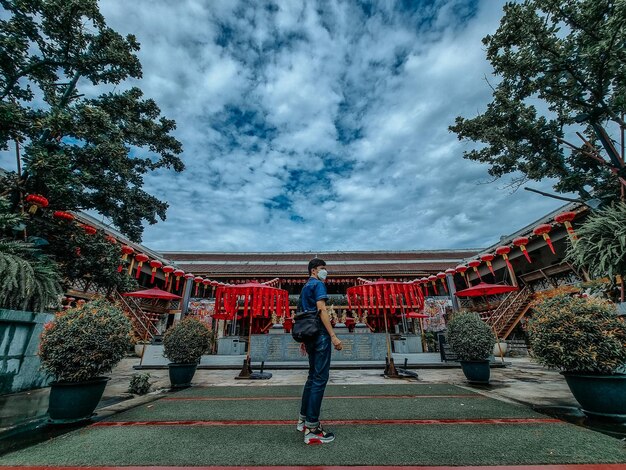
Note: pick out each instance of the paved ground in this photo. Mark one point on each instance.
(385, 422)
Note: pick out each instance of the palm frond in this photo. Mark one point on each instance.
(601, 247)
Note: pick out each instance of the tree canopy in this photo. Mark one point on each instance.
(81, 153)
(87, 138)
(560, 67)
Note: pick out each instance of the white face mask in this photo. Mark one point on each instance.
(322, 273)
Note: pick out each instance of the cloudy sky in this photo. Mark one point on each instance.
(322, 125)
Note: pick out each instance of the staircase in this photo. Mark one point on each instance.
(142, 322)
(510, 312)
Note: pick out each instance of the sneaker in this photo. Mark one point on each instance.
(318, 436)
(300, 425)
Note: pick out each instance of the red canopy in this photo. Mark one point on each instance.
(381, 296)
(154, 293)
(257, 299)
(486, 289)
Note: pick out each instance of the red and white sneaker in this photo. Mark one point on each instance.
(318, 436)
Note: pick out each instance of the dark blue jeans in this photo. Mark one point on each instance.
(319, 352)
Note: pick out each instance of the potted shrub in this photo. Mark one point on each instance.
(586, 340)
(78, 347)
(472, 340)
(183, 345)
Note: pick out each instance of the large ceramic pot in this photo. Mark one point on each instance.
(75, 401)
(476, 372)
(600, 396)
(181, 374)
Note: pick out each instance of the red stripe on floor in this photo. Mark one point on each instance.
(325, 397)
(330, 422)
(609, 466)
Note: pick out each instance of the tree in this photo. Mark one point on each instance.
(81, 153)
(561, 67)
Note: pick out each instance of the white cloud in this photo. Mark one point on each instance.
(319, 126)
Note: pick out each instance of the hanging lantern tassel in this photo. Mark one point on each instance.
(154, 264)
(566, 218)
(474, 265)
(522, 242)
(488, 258)
(442, 277)
(543, 230)
(140, 258)
(126, 250)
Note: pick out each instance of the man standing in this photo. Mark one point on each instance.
(313, 298)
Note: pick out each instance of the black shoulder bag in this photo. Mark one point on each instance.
(306, 325)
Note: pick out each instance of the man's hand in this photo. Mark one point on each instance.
(336, 342)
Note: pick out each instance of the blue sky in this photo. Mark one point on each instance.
(321, 125)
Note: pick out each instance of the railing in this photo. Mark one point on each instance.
(143, 326)
(509, 312)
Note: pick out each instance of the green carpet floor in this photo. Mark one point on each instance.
(331, 390)
(351, 408)
(357, 444)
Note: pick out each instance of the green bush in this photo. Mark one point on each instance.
(470, 337)
(139, 384)
(186, 341)
(576, 334)
(85, 342)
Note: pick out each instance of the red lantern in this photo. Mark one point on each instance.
(566, 218)
(126, 250)
(89, 230)
(504, 251)
(522, 242)
(178, 273)
(543, 230)
(205, 284)
(63, 216)
(188, 278)
(167, 270)
(451, 272)
(36, 201)
(140, 258)
(111, 239)
(154, 264)
(488, 258)
(197, 280)
(432, 280)
(461, 270)
(442, 277)
(474, 265)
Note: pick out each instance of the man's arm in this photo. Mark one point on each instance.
(321, 307)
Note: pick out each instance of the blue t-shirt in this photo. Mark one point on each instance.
(312, 291)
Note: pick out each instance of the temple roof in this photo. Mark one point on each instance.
(358, 263)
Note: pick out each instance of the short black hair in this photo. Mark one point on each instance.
(316, 263)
